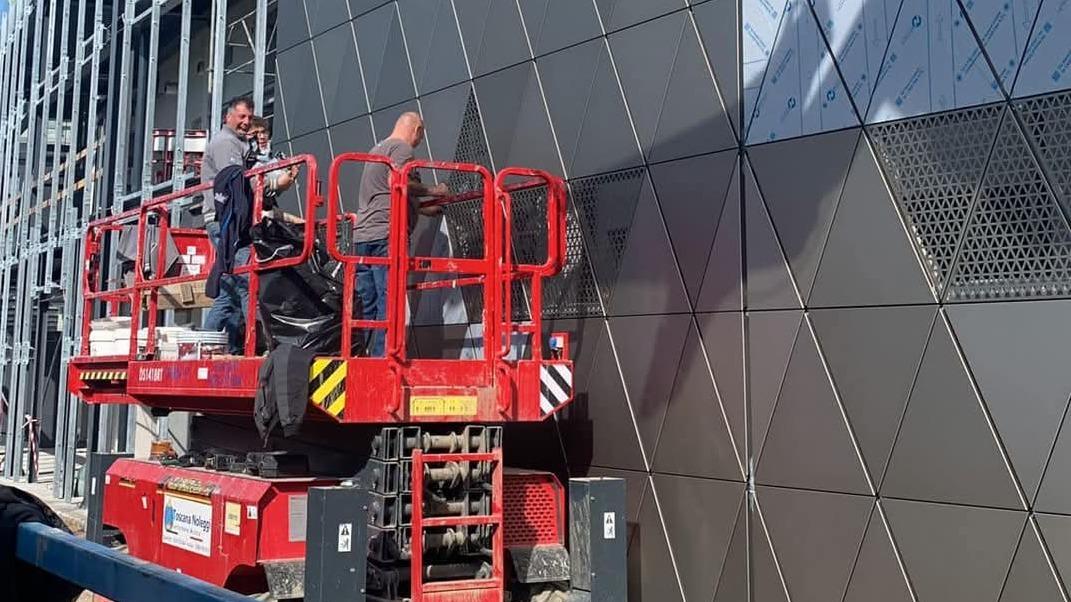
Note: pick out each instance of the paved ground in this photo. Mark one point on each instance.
(71, 512)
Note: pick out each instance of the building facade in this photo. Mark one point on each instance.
(819, 267)
(819, 277)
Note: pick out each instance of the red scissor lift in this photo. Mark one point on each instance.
(440, 417)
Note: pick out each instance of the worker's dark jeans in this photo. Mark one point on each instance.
(228, 308)
(372, 289)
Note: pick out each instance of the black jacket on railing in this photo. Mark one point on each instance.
(234, 212)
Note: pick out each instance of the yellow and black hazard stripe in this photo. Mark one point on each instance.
(104, 375)
(327, 385)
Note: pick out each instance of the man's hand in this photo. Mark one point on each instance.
(440, 189)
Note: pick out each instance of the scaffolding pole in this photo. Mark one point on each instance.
(16, 383)
(70, 235)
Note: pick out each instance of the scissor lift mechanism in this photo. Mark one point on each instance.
(432, 475)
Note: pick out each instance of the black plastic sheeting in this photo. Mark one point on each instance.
(300, 305)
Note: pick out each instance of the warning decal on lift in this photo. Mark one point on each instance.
(443, 405)
(345, 537)
(327, 385)
(609, 525)
(188, 524)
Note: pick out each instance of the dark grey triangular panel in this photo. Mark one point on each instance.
(808, 443)
(671, 95)
(648, 281)
(868, 259)
(644, 56)
(700, 515)
(651, 573)
(359, 7)
(492, 33)
(555, 24)
(1047, 122)
(766, 583)
(954, 553)
(297, 81)
(325, 14)
(691, 193)
(873, 355)
(769, 282)
(934, 165)
(816, 536)
(588, 111)
(1030, 577)
(722, 285)
(1018, 244)
(733, 579)
(877, 576)
(447, 115)
(434, 46)
(340, 79)
(354, 135)
(598, 429)
(929, 464)
(723, 336)
(692, 119)
(718, 27)
(518, 129)
(1056, 531)
(694, 437)
(649, 351)
(293, 24)
(622, 13)
(801, 181)
(383, 59)
(771, 336)
(1054, 495)
(1017, 352)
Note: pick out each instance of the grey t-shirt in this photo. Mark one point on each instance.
(227, 147)
(373, 199)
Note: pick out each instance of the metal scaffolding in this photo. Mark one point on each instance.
(81, 91)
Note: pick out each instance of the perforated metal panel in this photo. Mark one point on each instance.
(606, 204)
(1018, 243)
(934, 164)
(1047, 121)
(464, 220)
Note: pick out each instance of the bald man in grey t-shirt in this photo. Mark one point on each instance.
(373, 218)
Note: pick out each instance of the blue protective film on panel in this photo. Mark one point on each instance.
(858, 34)
(933, 64)
(1003, 27)
(1047, 60)
(801, 92)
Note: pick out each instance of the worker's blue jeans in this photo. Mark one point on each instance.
(372, 289)
(228, 308)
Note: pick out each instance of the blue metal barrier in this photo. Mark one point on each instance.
(112, 574)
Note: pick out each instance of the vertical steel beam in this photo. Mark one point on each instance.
(219, 43)
(66, 404)
(30, 257)
(260, 53)
(11, 187)
(151, 76)
(17, 384)
(121, 134)
(183, 91)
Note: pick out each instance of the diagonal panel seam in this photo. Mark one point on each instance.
(984, 407)
(910, 393)
(840, 404)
